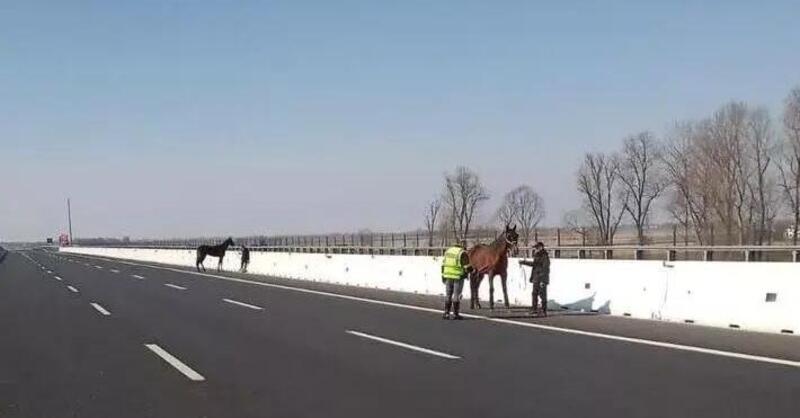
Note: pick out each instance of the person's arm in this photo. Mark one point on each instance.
(526, 263)
(465, 262)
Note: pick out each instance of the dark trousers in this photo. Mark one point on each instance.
(453, 289)
(539, 291)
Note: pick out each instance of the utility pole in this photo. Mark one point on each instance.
(69, 220)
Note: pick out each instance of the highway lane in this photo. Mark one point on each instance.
(59, 358)
(295, 356)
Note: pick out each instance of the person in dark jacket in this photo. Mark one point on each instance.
(245, 258)
(540, 276)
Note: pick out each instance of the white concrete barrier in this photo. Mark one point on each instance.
(751, 296)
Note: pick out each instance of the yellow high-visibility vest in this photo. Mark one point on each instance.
(451, 266)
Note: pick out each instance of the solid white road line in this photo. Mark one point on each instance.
(174, 362)
(100, 309)
(57, 278)
(114, 271)
(174, 286)
(72, 289)
(137, 276)
(246, 305)
(652, 343)
(404, 345)
(98, 267)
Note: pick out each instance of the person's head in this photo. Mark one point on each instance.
(539, 246)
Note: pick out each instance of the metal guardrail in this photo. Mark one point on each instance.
(629, 252)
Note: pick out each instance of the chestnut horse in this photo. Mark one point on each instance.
(214, 251)
(491, 260)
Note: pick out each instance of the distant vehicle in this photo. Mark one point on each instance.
(49, 240)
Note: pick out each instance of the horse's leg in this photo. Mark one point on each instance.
(219, 264)
(474, 282)
(491, 291)
(503, 278)
(199, 262)
(472, 291)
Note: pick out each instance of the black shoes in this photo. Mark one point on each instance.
(456, 307)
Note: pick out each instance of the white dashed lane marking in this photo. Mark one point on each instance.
(174, 362)
(245, 305)
(100, 309)
(403, 345)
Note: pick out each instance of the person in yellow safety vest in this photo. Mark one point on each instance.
(455, 268)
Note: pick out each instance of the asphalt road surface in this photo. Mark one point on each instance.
(91, 337)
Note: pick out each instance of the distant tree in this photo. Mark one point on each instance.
(431, 214)
(604, 199)
(641, 176)
(524, 207)
(463, 194)
(577, 221)
(762, 183)
(686, 165)
(790, 163)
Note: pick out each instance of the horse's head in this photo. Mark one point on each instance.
(511, 236)
(229, 241)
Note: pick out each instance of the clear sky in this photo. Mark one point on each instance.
(187, 118)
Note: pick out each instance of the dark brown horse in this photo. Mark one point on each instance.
(214, 251)
(491, 260)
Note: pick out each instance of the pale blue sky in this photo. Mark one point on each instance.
(187, 118)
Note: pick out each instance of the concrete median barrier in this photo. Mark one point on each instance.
(750, 296)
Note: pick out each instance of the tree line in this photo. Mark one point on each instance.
(723, 179)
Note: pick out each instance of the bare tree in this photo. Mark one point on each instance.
(762, 182)
(507, 211)
(603, 197)
(463, 194)
(641, 177)
(790, 163)
(685, 162)
(578, 222)
(431, 213)
(727, 155)
(524, 207)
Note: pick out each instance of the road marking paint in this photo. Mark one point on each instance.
(100, 309)
(403, 345)
(72, 289)
(114, 271)
(174, 362)
(652, 343)
(98, 267)
(57, 278)
(137, 276)
(174, 286)
(49, 272)
(246, 305)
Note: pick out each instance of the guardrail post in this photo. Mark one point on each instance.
(557, 253)
(608, 254)
(638, 254)
(748, 255)
(671, 255)
(581, 254)
(708, 255)
(795, 256)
